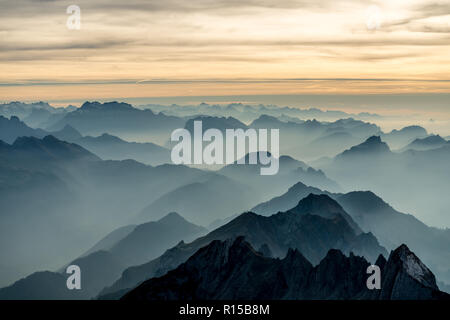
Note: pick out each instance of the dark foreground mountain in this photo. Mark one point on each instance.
(312, 232)
(233, 270)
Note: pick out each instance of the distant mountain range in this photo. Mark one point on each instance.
(234, 270)
(399, 138)
(248, 113)
(11, 129)
(404, 179)
(122, 119)
(109, 147)
(430, 142)
(35, 115)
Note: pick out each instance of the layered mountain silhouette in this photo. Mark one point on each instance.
(299, 228)
(247, 113)
(11, 129)
(403, 179)
(109, 147)
(68, 197)
(373, 214)
(149, 240)
(36, 114)
(399, 138)
(122, 119)
(290, 172)
(312, 139)
(371, 147)
(234, 270)
(104, 263)
(430, 142)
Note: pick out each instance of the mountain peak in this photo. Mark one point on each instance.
(373, 145)
(113, 105)
(317, 203)
(324, 206)
(363, 201)
(172, 218)
(413, 266)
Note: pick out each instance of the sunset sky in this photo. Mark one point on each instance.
(160, 48)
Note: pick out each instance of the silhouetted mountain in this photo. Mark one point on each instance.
(287, 200)
(233, 270)
(371, 147)
(107, 242)
(312, 234)
(405, 277)
(122, 119)
(312, 139)
(372, 214)
(430, 142)
(247, 113)
(324, 206)
(68, 133)
(109, 147)
(220, 123)
(97, 269)
(149, 240)
(402, 179)
(393, 228)
(290, 171)
(11, 129)
(103, 267)
(399, 138)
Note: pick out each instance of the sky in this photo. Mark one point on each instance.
(165, 48)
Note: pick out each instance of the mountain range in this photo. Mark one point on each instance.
(410, 180)
(121, 119)
(104, 263)
(234, 270)
(372, 214)
(311, 232)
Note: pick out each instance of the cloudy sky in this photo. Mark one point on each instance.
(148, 48)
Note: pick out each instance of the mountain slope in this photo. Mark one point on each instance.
(312, 234)
(11, 129)
(373, 214)
(430, 142)
(149, 240)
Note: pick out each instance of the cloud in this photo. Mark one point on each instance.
(139, 39)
